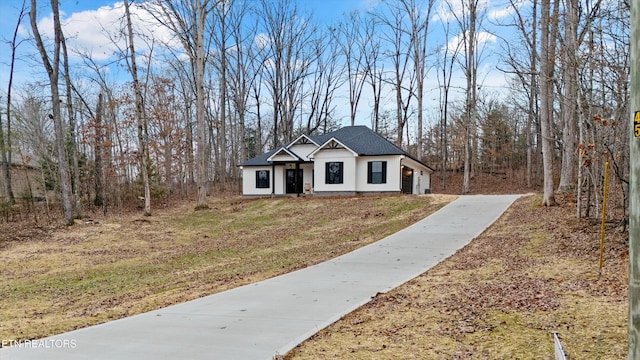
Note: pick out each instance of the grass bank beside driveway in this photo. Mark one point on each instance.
(116, 267)
(533, 272)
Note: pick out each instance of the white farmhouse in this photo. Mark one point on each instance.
(351, 160)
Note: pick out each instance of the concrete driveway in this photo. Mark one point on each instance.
(260, 320)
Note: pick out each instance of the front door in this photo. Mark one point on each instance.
(294, 183)
(407, 180)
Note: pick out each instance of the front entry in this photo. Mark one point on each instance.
(294, 183)
(407, 180)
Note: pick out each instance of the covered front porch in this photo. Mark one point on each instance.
(292, 178)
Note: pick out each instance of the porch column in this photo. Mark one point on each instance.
(298, 186)
(273, 179)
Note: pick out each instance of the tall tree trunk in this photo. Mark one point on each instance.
(5, 162)
(419, 32)
(187, 20)
(53, 74)
(570, 80)
(448, 60)
(376, 89)
(546, 104)
(445, 119)
(5, 138)
(223, 128)
(75, 170)
(97, 155)
(140, 115)
(222, 51)
(399, 104)
(471, 101)
(467, 159)
(634, 188)
(580, 170)
(533, 98)
(353, 37)
(201, 138)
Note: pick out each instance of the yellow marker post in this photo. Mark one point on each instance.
(604, 211)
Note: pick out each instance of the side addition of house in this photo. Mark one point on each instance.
(351, 160)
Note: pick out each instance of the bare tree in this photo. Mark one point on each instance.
(102, 120)
(73, 149)
(523, 63)
(187, 95)
(323, 83)
(100, 198)
(532, 115)
(52, 68)
(419, 29)
(468, 22)
(633, 349)
(140, 113)
(546, 102)
(399, 50)
(222, 32)
(187, 20)
(444, 85)
(5, 138)
(242, 77)
(374, 68)
(352, 39)
(287, 62)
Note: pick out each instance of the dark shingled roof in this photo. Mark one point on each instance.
(260, 160)
(360, 139)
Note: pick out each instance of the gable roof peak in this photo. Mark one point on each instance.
(303, 139)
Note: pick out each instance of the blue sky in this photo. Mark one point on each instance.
(86, 35)
(324, 11)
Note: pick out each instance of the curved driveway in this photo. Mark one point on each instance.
(260, 320)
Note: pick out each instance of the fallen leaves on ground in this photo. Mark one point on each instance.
(534, 272)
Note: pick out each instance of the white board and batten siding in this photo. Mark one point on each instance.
(348, 159)
(249, 186)
(394, 177)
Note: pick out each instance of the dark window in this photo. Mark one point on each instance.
(333, 172)
(377, 172)
(262, 179)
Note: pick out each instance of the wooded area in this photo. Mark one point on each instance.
(236, 78)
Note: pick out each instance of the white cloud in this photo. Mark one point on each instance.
(454, 45)
(497, 14)
(99, 33)
(369, 5)
(485, 37)
(262, 40)
(482, 38)
(451, 10)
(447, 10)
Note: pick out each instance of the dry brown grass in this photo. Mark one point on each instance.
(56, 280)
(533, 273)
